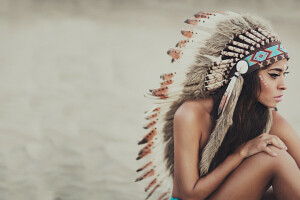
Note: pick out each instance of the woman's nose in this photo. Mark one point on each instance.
(282, 85)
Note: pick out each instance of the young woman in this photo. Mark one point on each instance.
(249, 161)
(221, 135)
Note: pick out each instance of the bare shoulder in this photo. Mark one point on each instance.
(193, 118)
(287, 134)
(197, 110)
(281, 127)
(280, 124)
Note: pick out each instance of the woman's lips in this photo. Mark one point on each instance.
(278, 98)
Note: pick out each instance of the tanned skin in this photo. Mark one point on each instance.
(269, 159)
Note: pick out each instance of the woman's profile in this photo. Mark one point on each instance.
(215, 132)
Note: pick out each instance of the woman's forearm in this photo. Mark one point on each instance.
(209, 183)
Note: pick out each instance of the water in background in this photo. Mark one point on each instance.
(72, 78)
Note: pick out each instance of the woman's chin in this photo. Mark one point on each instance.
(270, 104)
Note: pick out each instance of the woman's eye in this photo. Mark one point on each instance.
(274, 75)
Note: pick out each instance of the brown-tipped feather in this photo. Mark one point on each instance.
(143, 167)
(151, 116)
(146, 148)
(153, 182)
(203, 15)
(154, 110)
(187, 34)
(165, 83)
(160, 91)
(168, 76)
(182, 43)
(161, 197)
(150, 124)
(192, 21)
(175, 53)
(149, 195)
(145, 175)
(145, 151)
(148, 137)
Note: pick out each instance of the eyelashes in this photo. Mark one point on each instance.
(276, 75)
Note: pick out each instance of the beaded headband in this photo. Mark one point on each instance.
(258, 47)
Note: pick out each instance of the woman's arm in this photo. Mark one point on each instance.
(287, 134)
(189, 126)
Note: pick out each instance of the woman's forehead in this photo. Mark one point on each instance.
(282, 64)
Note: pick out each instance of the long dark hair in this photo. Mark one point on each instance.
(249, 118)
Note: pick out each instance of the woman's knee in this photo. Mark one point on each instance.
(273, 162)
(283, 158)
(265, 160)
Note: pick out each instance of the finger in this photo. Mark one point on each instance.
(270, 152)
(278, 141)
(282, 143)
(275, 142)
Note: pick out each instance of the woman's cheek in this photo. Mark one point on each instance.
(265, 96)
(263, 81)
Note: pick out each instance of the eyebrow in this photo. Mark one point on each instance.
(279, 69)
(276, 69)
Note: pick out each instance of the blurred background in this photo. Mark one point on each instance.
(72, 78)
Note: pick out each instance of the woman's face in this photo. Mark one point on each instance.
(272, 83)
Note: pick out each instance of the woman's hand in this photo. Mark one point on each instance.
(259, 144)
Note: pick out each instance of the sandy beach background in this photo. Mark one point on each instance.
(72, 78)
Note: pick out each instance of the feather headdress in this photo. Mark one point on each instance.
(218, 49)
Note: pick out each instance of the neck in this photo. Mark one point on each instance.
(207, 104)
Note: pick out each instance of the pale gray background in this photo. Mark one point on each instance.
(72, 78)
